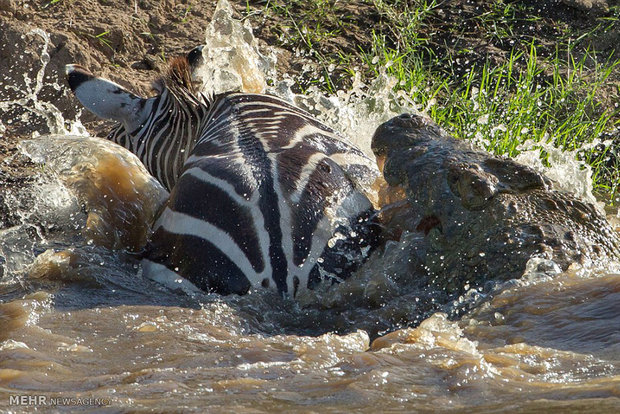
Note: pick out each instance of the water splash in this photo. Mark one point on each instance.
(233, 61)
(116, 191)
(567, 173)
(231, 57)
(43, 213)
(28, 99)
(87, 192)
(357, 112)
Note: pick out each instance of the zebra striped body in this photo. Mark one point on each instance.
(262, 194)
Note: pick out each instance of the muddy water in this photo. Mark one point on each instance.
(78, 321)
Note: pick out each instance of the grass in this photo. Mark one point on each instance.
(534, 91)
(309, 26)
(50, 3)
(184, 13)
(102, 38)
(319, 20)
(526, 97)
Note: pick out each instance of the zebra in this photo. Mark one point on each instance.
(262, 194)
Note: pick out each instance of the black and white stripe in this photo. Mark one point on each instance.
(262, 194)
(166, 137)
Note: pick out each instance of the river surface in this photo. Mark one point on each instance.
(82, 330)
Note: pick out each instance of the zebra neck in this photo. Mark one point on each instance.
(168, 136)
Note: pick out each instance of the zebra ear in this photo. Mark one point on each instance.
(106, 99)
(196, 61)
(194, 57)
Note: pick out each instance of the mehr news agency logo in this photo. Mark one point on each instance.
(45, 400)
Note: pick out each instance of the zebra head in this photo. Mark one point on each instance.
(160, 130)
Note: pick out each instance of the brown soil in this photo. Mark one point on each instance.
(129, 40)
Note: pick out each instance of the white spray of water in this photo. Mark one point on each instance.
(358, 112)
(44, 204)
(233, 61)
(567, 173)
(232, 58)
(47, 207)
(28, 98)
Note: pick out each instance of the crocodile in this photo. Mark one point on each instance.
(481, 217)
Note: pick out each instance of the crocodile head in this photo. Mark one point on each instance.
(481, 217)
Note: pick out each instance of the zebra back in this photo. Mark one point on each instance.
(275, 188)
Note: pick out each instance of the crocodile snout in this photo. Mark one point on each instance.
(400, 132)
(409, 121)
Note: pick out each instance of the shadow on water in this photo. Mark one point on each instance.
(95, 277)
(87, 277)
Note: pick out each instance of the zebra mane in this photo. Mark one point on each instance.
(178, 77)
